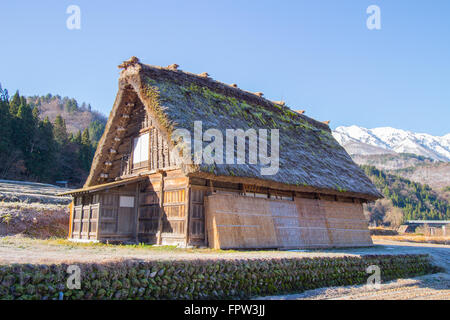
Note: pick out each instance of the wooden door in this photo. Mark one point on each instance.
(108, 219)
(149, 211)
(126, 214)
(197, 216)
(174, 218)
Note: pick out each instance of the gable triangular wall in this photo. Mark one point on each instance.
(130, 130)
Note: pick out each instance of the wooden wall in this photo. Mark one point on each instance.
(235, 221)
(158, 215)
(172, 209)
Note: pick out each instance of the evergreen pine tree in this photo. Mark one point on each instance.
(5, 130)
(14, 104)
(60, 131)
(24, 138)
(86, 150)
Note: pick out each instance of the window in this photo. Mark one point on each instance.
(126, 202)
(140, 150)
(256, 195)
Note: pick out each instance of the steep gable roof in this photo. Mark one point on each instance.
(310, 157)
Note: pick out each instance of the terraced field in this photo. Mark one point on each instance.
(33, 209)
(30, 192)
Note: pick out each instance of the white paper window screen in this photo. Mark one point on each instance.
(126, 202)
(140, 149)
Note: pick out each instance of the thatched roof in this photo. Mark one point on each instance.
(310, 158)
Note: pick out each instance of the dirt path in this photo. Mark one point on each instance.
(18, 249)
(430, 287)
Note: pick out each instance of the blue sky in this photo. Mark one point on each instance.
(316, 55)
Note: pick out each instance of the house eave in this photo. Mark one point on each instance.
(285, 187)
(104, 186)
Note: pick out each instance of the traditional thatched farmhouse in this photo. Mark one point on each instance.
(139, 190)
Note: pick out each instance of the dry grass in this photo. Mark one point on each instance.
(380, 231)
(416, 238)
(128, 247)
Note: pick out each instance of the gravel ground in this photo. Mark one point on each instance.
(19, 249)
(429, 287)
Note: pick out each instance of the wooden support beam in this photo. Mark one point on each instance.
(161, 210)
(211, 186)
(136, 213)
(186, 214)
(99, 212)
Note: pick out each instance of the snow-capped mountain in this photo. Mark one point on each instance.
(362, 141)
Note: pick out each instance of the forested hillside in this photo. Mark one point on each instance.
(35, 147)
(404, 200)
(77, 117)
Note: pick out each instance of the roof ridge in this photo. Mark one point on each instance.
(206, 80)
